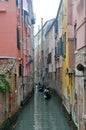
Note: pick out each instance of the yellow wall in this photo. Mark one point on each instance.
(64, 59)
(66, 80)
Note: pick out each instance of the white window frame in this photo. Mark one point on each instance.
(2, 0)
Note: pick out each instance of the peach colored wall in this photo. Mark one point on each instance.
(79, 14)
(8, 23)
(69, 12)
(80, 11)
(81, 37)
(74, 12)
(80, 19)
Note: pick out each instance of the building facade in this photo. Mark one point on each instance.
(16, 39)
(41, 56)
(79, 23)
(64, 44)
(50, 40)
(58, 50)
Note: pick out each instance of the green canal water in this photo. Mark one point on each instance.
(41, 114)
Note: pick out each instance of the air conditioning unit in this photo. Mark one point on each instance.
(70, 71)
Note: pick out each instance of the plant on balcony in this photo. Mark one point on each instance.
(5, 84)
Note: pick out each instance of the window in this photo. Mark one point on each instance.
(18, 3)
(15, 80)
(85, 96)
(18, 38)
(20, 70)
(56, 26)
(75, 42)
(64, 44)
(3, 0)
(49, 58)
(59, 48)
(75, 39)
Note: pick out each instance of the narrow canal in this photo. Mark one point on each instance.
(41, 114)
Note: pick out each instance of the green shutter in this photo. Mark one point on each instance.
(64, 44)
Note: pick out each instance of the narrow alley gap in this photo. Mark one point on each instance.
(41, 114)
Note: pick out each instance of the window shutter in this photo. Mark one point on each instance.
(61, 46)
(56, 26)
(64, 44)
(18, 38)
(49, 58)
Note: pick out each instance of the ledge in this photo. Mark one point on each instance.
(2, 10)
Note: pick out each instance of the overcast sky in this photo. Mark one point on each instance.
(46, 9)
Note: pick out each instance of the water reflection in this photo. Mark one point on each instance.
(41, 114)
(47, 114)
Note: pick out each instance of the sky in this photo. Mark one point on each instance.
(46, 9)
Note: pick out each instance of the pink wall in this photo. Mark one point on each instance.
(69, 18)
(80, 11)
(80, 26)
(79, 15)
(81, 37)
(8, 23)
